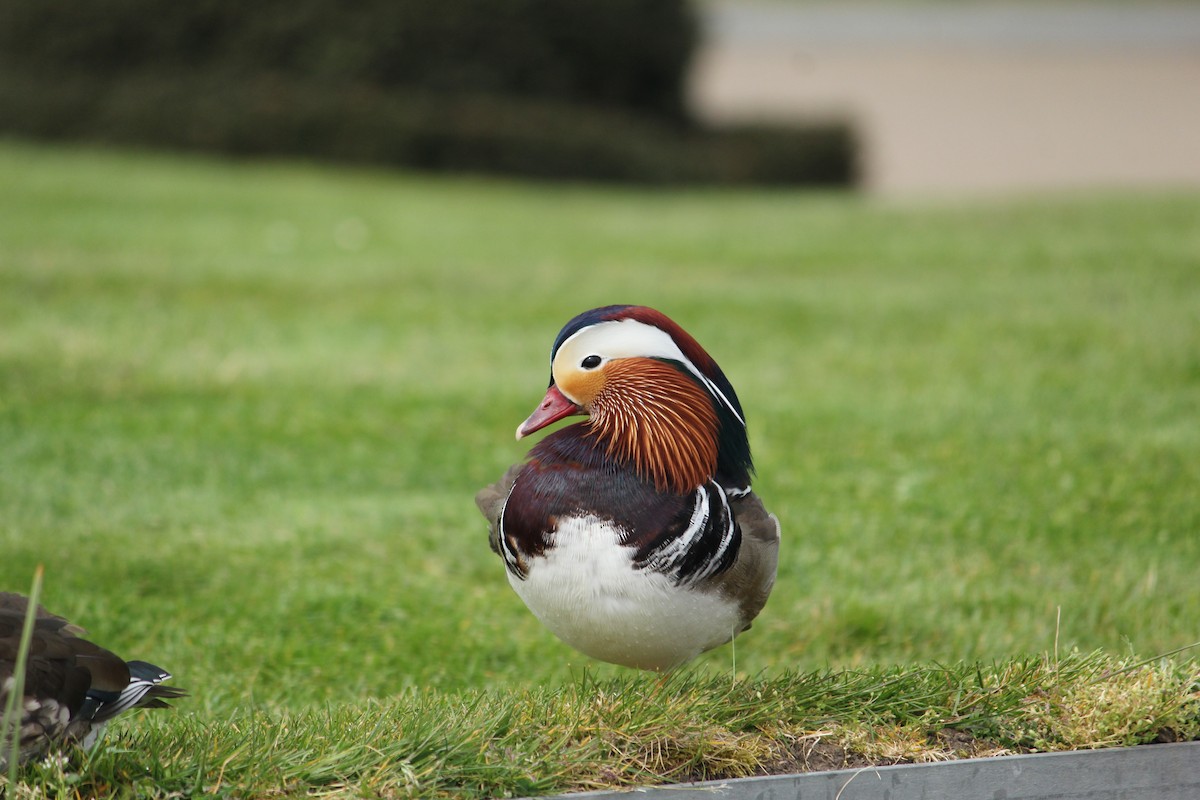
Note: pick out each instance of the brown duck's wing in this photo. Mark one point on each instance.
(144, 690)
(56, 679)
(56, 639)
(16, 605)
(750, 580)
(109, 671)
(72, 686)
(60, 665)
(490, 502)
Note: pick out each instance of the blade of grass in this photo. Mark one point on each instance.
(10, 727)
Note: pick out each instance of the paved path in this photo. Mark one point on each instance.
(972, 98)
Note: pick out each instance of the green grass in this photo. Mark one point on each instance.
(244, 409)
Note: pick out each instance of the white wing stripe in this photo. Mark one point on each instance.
(671, 557)
(511, 560)
(726, 536)
(674, 552)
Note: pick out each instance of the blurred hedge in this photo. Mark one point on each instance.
(548, 88)
(623, 53)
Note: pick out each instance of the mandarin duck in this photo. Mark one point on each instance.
(72, 687)
(633, 535)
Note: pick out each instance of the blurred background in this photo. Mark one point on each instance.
(593, 89)
(971, 96)
(258, 351)
(893, 96)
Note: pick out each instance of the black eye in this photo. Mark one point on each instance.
(591, 362)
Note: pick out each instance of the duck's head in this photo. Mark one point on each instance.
(652, 394)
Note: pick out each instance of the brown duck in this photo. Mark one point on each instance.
(72, 686)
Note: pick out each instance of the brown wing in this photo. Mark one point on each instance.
(60, 666)
(490, 502)
(752, 576)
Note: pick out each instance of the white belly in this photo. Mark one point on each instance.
(586, 591)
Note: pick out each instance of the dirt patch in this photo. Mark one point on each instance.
(816, 754)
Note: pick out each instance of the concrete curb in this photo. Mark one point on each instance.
(1149, 772)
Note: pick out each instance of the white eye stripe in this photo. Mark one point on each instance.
(629, 338)
(624, 338)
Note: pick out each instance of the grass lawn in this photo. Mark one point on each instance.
(244, 409)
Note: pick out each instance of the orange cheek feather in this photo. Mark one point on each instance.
(659, 420)
(581, 386)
